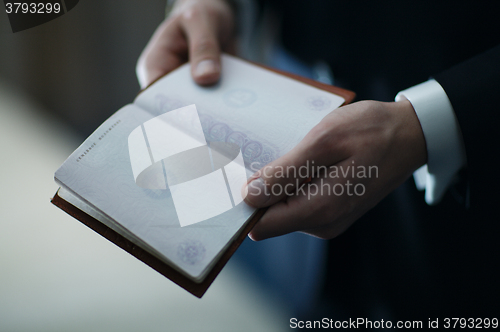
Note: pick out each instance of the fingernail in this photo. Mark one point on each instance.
(205, 67)
(257, 193)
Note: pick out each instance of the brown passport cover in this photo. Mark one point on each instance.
(195, 288)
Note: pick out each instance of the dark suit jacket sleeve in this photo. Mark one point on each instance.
(473, 88)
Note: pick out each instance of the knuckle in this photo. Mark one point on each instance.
(192, 12)
(328, 136)
(197, 11)
(368, 104)
(365, 103)
(320, 134)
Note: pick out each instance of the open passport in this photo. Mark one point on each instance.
(162, 177)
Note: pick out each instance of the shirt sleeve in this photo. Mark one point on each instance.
(443, 139)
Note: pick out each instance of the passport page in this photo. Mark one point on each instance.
(262, 113)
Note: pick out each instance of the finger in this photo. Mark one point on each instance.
(324, 207)
(303, 211)
(166, 50)
(204, 46)
(285, 175)
(332, 230)
(277, 180)
(279, 219)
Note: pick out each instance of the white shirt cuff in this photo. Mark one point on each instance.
(445, 148)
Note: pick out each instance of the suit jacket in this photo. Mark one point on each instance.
(404, 258)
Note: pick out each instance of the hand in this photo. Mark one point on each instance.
(196, 30)
(383, 139)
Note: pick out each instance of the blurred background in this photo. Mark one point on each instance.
(80, 67)
(58, 82)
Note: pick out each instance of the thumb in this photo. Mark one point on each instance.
(278, 179)
(204, 46)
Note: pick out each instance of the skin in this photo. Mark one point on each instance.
(366, 133)
(195, 30)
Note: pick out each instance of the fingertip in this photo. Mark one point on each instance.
(207, 80)
(257, 194)
(252, 237)
(206, 72)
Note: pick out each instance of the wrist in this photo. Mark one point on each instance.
(411, 133)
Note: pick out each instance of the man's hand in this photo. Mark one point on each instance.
(196, 30)
(369, 148)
